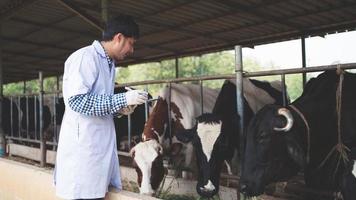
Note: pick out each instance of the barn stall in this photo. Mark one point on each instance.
(38, 35)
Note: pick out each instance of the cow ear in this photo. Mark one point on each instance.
(296, 152)
(132, 152)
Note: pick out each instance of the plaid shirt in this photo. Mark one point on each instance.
(97, 105)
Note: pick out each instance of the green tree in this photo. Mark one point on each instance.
(208, 64)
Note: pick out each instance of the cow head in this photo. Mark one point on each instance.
(210, 147)
(148, 162)
(273, 150)
(148, 155)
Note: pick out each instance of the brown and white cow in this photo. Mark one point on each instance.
(185, 106)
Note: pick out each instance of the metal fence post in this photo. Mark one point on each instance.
(42, 138)
(240, 107)
(2, 133)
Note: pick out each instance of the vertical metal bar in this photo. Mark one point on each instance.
(201, 85)
(177, 67)
(57, 84)
(57, 101)
(27, 119)
(54, 135)
(24, 87)
(2, 133)
(169, 113)
(304, 63)
(240, 107)
(19, 116)
(283, 80)
(11, 117)
(35, 115)
(129, 131)
(146, 105)
(43, 142)
(201, 96)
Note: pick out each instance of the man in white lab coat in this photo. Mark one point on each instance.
(87, 162)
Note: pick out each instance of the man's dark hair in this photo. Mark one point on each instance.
(123, 24)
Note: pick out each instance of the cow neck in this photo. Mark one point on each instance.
(154, 127)
(158, 123)
(307, 129)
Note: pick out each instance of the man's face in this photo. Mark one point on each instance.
(123, 46)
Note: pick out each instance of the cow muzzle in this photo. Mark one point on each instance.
(208, 190)
(250, 190)
(146, 191)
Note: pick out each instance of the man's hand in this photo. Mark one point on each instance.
(127, 110)
(136, 97)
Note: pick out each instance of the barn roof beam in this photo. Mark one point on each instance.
(82, 14)
(244, 42)
(171, 8)
(52, 26)
(74, 8)
(13, 7)
(261, 23)
(13, 53)
(296, 34)
(182, 27)
(233, 5)
(40, 44)
(44, 26)
(25, 71)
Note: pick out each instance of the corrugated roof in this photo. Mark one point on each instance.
(40, 34)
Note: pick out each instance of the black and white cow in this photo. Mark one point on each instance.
(215, 137)
(30, 120)
(282, 140)
(10, 117)
(20, 118)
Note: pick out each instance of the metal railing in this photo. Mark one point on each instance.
(29, 138)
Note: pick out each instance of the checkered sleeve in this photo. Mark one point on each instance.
(97, 105)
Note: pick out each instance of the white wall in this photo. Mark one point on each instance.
(20, 181)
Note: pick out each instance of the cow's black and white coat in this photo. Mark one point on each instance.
(215, 136)
(278, 139)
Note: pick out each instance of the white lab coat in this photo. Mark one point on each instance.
(87, 161)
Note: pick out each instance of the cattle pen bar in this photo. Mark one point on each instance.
(246, 74)
(226, 76)
(200, 79)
